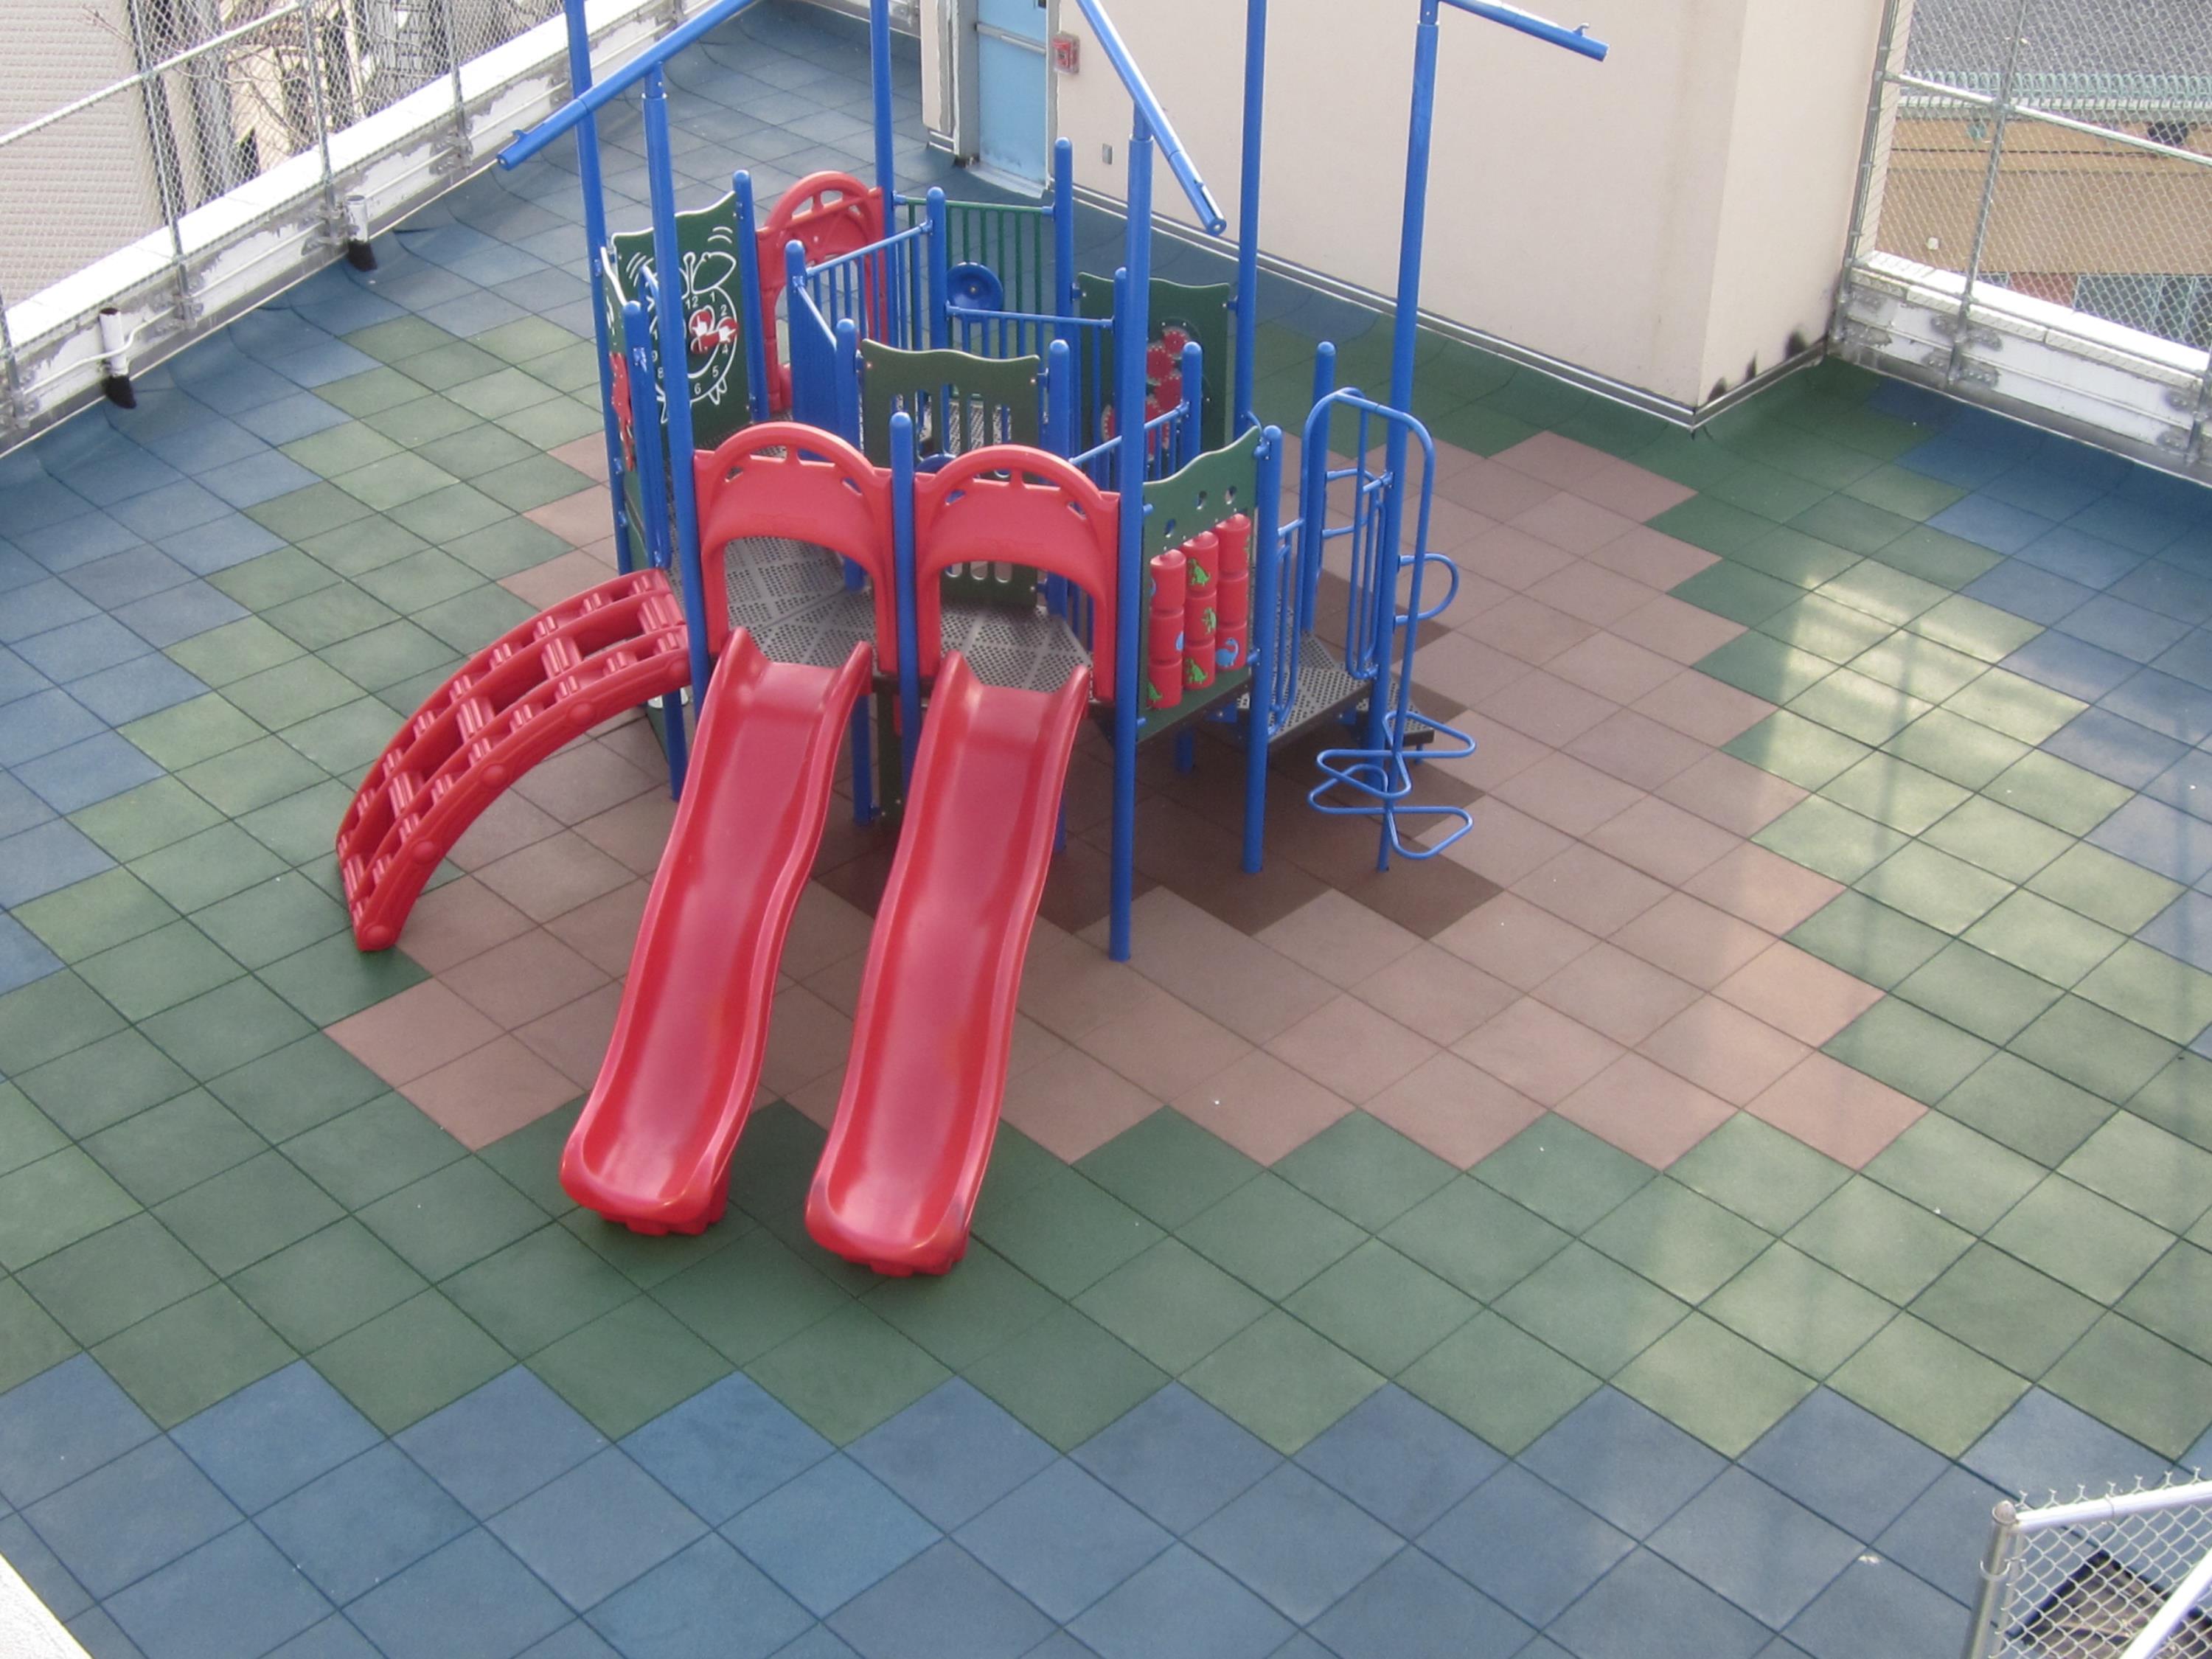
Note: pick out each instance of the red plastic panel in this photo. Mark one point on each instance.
(827, 214)
(652, 1149)
(897, 1182)
(512, 704)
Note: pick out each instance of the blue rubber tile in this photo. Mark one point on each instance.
(952, 1453)
(708, 1602)
(1844, 1463)
(1943, 1532)
(130, 1517)
(497, 264)
(1645, 1608)
(242, 385)
(1176, 1458)
(232, 1595)
(941, 1605)
(2069, 552)
(334, 1638)
(2164, 703)
(1182, 1607)
(1295, 1541)
(2117, 625)
(132, 690)
(2043, 1445)
(725, 1447)
(595, 1529)
(1623, 1461)
(218, 544)
(20, 810)
(2184, 595)
(1403, 1462)
(471, 314)
(208, 445)
(2112, 747)
(1988, 522)
(574, 1640)
(44, 859)
(63, 1424)
(258, 477)
(2146, 832)
(41, 606)
(273, 333)
(447, 243)
(2136, 525)
(71, 778)
(22, 958)
(295, 416)
(321, 365)
(2191, 660)
(41, 1568)
(117, 473)
(468, 1596)
(1766, 1553)
(273, 1437)
(80, 541)
(100, 1637)
(831, 1532)
(1412, 1608)
(1526, 1545)
(1063, 1539)
(365, 1520)
(2187, 785)
(117, 579)
(1996, 434)
(170, 508)
(1877, 1607)
(18, 678)
(502, 1443)
(40, 504)
(78, 648)
(182, 612)
(2074, 666)
(18, 569)
(2054, 492)
(2183, 929)
(341, 313)
(1911, 402)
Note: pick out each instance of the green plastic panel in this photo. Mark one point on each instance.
(714, 309)
(1213, 488)
(1202, 312)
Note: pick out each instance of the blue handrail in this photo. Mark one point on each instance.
(1513, 17)
(1140, 93)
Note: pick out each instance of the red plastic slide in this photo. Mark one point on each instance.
(898, 1181)
(652, 1147)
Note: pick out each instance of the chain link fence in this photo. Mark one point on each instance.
(2113, 1577)
(2039, 172)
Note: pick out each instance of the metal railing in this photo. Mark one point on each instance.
(2039, 173)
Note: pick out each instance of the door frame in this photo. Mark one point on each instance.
(960, 85)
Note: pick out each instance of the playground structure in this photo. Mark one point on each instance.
(901, 452)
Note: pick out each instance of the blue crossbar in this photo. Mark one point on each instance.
(1140, 93)
(1513, 17)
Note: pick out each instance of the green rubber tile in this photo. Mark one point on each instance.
(1833, 840)
(1270, 1234)
(499, 550)
(1831, 632)
(1731, 590)
(449, 364)
(90, 916)
(142, 820)
(27, 1134)
(451, 1218)
(1063, 1230)
(2085, 1241)
(103, 1083)
(2179, 1099)
(213, 865)
(2008, 844)
(177, 1144)
(476, 618)
(1475, 1239)
(320, 620)
(293, 1088)
(262, 923)
(2035, 1113)
(1680, 1241)
(1806, 455)
(537, 1290)
(1167, 1169)
(1878, 590)
(1866, 941)
(529, 1160)
(1499, 1382)
(1708, 1381)
(2099, 1051)
(361, 1155)
(526, 485)
(159, 970)
(647, 1262)
(1591, 1308)
(447, 515)
(1934, 1388)
(1945, 560)
(1799, 1310)
(1918, 665)
(500, 393)
(188, 733)
(330, 1282)
(960, 1317)
(1690, 459)
(574, 367)
(421, 420)
(2138, 1383)
(561, 420)
(2174, 1299)
(1365, 1170)
(1764, 667)
(1792, 747)
(1910, 1049)
(50, 1018)
(751, 1297)
(298, 828)
(1982, 631)
(30, 1341)
(236, 1218)
(1286, 1383)
(384, 656)
(1861, 708)
(340, 448)
(1792, 557)
(401, 337)
(2105, 888)
(1537, 398)
(1383, 1309)
(255, 776)
(2005, 1310)
(2161, 1176)
(291, 692)
(1872, 1236)
(1977, 993)
(1172, 1305)
(1769, 492)
(1954, 747)
(303, 512)
(331, 979)
(1954, 1172)
(1610, 427)
(419, 581)
(192, 1354)
(1909, 494)
(273, 578)
(2151, 989)
(2019, 707)
(393, 482)
(112, 1280)
(416, 1359)
(526, 337)
(1852, 523)
(1066, 1377)
(366, 544)
(1563, 1172)
(1931, 887)
(844, 1375)
(1768, 1178)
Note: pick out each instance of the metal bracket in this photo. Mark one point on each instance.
(1978, 374)
(1965, 333)
(1855, 332)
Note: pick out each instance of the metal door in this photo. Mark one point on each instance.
(1013, 83)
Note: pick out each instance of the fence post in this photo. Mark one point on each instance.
(1997, 1578)
(1874, 151)
(458, 153)
(2001, 114)
(14, 414)
(332, 212)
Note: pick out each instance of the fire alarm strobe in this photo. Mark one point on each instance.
(1067, 53)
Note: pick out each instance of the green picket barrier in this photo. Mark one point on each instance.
(1202, 312)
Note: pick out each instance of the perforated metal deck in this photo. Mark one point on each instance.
(1324, 687)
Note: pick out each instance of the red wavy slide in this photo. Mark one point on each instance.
(898, 1181)
(652, 1147)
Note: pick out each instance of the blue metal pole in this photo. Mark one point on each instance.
(1193, 368)
(637, 349)
(749, 284)
(940, 279)
(1063, 285)
(849, 386)
(1247, 216)
(1313, 494)
(595, 239)
(675, 362)
(1260, 713)
(1153, 119)
(1529, 23)
(879, 83)
(910, 632)
(1131, 333)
